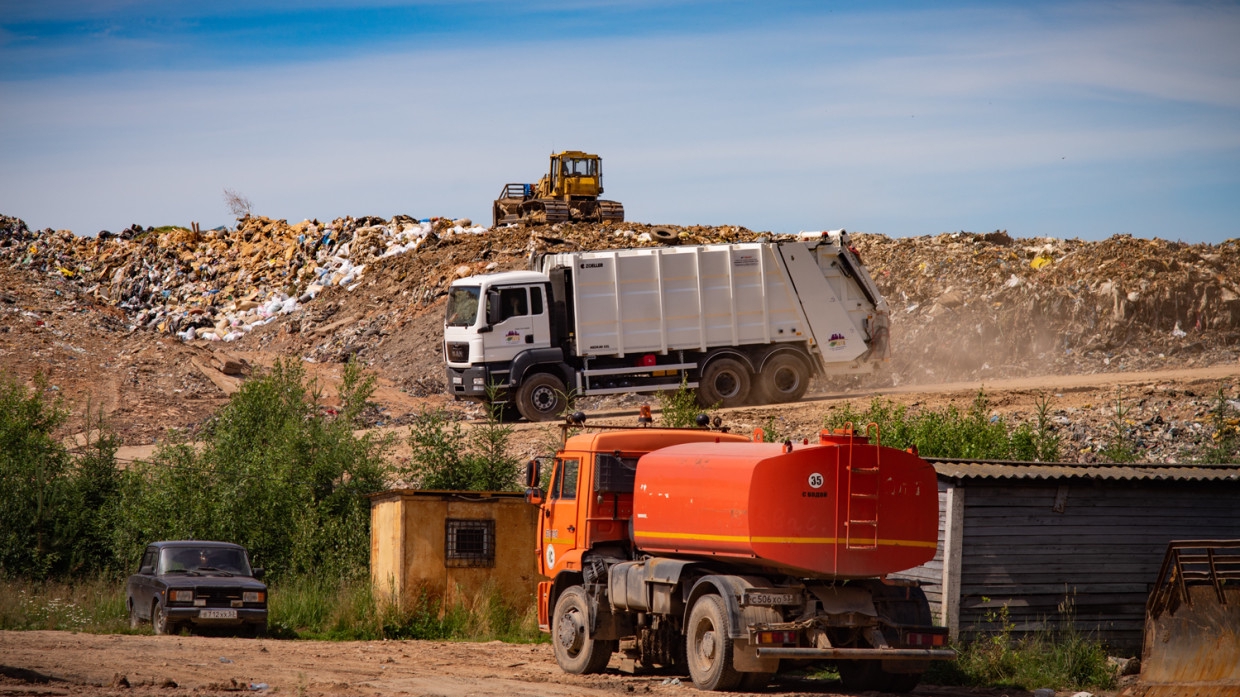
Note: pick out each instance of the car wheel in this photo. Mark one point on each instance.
(134, 620)
(159, 620)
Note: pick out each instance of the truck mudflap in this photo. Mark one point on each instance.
(1192, 625)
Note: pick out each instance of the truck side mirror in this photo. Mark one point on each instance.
(532, 474)
(146, 570)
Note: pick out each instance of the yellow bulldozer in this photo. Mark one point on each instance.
(568, 192)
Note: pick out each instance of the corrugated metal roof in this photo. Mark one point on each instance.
(998, 469)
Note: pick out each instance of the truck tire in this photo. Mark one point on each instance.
(708, 646)
(725, 383)
(541, 397)
(784, 378)
(575, 650)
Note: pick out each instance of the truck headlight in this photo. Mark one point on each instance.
(181, 596)
(253, 596)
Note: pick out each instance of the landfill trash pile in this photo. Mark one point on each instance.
(972, 306)
(219, 284)
(144, 314)
(89, 356)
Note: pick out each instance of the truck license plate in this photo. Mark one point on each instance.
(218, 614)
(771, 598)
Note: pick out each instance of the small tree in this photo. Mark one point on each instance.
(238, 204)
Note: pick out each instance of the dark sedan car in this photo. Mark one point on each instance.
(197, 584)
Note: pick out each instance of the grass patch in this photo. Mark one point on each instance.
(1061, 658)
(302, 607)
(95, 605)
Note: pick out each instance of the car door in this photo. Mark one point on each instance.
(142, 584)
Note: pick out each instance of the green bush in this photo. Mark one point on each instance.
(950, 433)
(275, 471)
(56, 506)
(443, 458)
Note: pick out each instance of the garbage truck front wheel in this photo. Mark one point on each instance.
(541, 397)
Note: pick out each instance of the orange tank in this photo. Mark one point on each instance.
(838, 509)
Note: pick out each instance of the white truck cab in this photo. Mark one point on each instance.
(490, 320)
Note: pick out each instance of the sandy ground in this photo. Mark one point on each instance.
(62, 663)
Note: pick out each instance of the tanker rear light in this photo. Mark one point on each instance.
(779, 637)
(925, 639)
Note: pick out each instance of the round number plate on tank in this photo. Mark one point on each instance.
(550, 556)
(815, 480)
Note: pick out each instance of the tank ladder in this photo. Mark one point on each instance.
(861, 525)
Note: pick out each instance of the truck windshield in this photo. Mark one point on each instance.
(463, 306)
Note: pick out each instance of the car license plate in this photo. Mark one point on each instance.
(771, 598)
(217, 614)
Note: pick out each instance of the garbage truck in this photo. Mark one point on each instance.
(733, 559)
(742, 323)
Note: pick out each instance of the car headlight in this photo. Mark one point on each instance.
(181, 596)
(253, 596)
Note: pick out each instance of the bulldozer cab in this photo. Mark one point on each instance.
(575, 175)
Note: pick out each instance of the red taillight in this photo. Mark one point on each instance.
(780, 637)
(925, 639)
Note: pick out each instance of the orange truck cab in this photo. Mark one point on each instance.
(707, 551)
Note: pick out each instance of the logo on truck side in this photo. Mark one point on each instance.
(591, 265)
(836, 342)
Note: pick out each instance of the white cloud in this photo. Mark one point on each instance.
(907, 123)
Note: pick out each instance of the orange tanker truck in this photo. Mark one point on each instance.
(704, 550)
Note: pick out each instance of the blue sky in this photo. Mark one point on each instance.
(1044, 119)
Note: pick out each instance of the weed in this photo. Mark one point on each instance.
(1060, 657)
(974, 433)
(679, 409)
(1120, 449)
(1223, 445)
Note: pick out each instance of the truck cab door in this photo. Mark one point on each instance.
(559, 521)
(523, 323)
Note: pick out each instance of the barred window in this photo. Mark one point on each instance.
(469, 543)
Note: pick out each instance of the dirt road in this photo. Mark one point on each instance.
(63, 663)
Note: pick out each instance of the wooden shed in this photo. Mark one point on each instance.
(453, 545)
(1053, 541)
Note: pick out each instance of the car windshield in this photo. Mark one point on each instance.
(224, 560)
(462, 306)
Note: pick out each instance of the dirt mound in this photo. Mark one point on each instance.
(969, 306)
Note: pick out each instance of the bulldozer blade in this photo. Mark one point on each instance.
(1192, 626)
